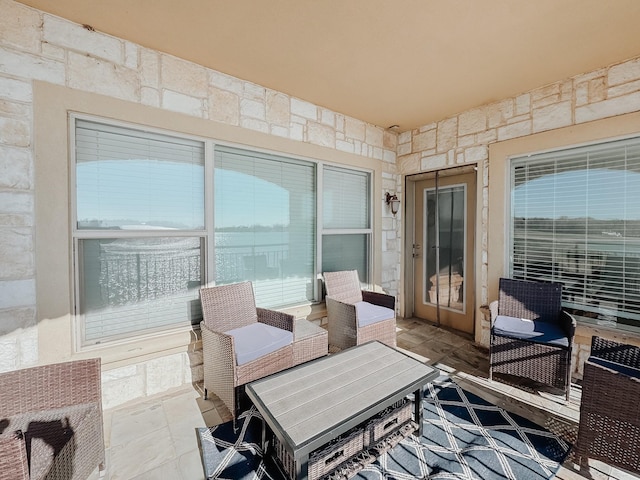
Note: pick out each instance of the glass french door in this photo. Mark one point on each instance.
(443, 251)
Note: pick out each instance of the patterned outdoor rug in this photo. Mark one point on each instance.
(464, 437)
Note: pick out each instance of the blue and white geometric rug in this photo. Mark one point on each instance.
(464, 438)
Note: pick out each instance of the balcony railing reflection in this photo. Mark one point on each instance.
(251, 262)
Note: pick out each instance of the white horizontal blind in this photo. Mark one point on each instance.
(128, 178)
(346, 220)
(345, 198)
(139, 285)
(139, 184)
(265, 224)
(576, 220)
(346, 252)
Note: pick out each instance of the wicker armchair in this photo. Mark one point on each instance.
(531, 336)
(240, 342)
(609, 427)
(356, 316)
(51, 422)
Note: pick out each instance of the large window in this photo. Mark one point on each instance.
(575, 217)
(156, 216)
(139, 230)
(346, 221)
(265, 225)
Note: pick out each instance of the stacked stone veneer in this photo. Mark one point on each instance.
(38, 46)
(465, 138)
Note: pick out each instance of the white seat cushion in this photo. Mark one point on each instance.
(368, 313)
(257, 340)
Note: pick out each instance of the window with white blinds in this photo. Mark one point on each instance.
(346, 222)
(145, 240)
(346, 200)
(265, 224)
(575, 218)
(131, 286)
(139, 236)
(129, 179)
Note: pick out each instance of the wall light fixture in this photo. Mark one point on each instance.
(393, 202)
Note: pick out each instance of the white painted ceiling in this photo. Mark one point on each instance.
(387, 62)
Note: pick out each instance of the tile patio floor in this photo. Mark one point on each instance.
(156, 438)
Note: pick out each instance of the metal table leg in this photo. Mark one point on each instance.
(417, 406)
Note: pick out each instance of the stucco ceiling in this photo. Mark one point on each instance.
(404, 62)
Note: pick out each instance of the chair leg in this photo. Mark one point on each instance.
(205, 393)
(567, 378)
(236, 407)
(490, 361)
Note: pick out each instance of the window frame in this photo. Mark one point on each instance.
(274, 156)
(206, 235)
(346, 231)
(522, 159)
(79, 234)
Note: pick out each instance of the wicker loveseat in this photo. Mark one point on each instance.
(51, 422)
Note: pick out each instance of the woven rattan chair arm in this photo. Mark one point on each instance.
(568, 323)
(47, 387)
(89, 449)
(13, 458)
(379, 298)
(52, 391)
(276, 319)
(609, 391)
(609, 418)
(493, 308)
(222, 349)
(343, 313)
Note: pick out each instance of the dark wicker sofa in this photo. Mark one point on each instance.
(51, 423)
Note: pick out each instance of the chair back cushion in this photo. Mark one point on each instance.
(540, 301)
(368, 313)
(226, 307)
(343, 286)
(257, 340)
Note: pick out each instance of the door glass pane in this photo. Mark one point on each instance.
(447, 288)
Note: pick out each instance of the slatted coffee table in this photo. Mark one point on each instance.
(309, 405)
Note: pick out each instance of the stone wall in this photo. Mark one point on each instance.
(38, 46)
(465, 138)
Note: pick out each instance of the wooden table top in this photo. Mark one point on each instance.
(308, 405)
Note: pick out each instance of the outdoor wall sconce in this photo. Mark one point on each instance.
(393, 202)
